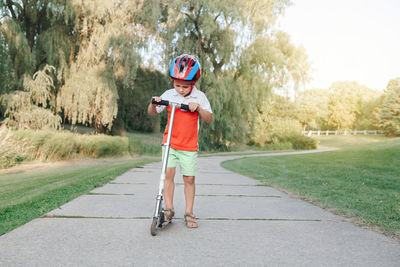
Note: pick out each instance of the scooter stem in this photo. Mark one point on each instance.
(167, 146)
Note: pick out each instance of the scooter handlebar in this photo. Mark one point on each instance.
(166, 103)
(162, 102)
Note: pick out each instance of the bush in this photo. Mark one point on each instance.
(10, 152)
(20, 145)
(302, 142)
(102, 145)
(10, 160)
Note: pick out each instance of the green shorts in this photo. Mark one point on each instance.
(187, 161)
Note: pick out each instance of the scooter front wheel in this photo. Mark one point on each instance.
(153, 228)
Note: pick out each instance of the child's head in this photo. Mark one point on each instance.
(185, 68)
(184, 89)
(184, 71)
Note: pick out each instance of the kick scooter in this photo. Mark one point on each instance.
(158, 217)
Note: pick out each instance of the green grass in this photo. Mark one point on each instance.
(145, 143)
(30, 194)
(360, 181)
(344, 141)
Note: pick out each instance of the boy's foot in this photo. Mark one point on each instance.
(168, 215)
(190, 220)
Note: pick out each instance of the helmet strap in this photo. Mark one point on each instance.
(191, 89)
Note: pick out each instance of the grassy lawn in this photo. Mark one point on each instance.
(26, 195)
(145, 143)
(361, 180)
(344, 141)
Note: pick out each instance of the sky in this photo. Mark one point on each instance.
(347, 40)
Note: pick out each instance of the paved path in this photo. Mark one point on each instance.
(242, 223)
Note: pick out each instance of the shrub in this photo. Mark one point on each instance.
(302, 142)
(103, 145)
(51, 145)
(10, 152)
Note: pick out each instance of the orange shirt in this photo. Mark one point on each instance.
(184, 131)
(186, 123)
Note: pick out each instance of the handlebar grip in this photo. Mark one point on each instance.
(162, 102)
(185, 107)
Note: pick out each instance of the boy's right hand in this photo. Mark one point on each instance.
(157, 99)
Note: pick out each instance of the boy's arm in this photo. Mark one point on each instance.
(205, 115)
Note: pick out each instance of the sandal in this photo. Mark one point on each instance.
(190, 220)
(168, 215)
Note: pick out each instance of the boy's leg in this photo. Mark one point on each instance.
(169, 187)
(190, 190)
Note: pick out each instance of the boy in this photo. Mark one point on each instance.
(184, 71)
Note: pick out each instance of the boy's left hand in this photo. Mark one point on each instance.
(193, 106)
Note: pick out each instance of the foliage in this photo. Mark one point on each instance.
(346, 105)
(229, 125)
(389, 113)
(11, 153)
(51, 145)
(28, 109)
(301, 142)
(108, 36)
(96, 49)
(275, 123)
(91, 44)
(350, 106)
(60, 145)
(37, 33)
(132, 105)
(242, 60)
(5, 66)
(311, 108)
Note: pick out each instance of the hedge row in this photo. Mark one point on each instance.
(51, 145)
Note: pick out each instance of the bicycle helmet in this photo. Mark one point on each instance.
(185, 68)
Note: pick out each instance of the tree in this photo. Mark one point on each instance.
(351, 106)
(311, 108)
(4, 65)
(275, 122)
(92, 44)
(132, 104)
(390, 110)
(368, 101)
(37, 33)
(224, 35)
(28, 108)
(109, 34)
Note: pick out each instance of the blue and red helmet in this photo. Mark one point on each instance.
(185, 68)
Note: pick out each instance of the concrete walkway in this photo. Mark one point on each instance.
(242, 223)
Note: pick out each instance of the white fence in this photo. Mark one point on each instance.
(318, 133)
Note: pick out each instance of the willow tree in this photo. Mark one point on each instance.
(109, 34)
(37, 33)
(241, 56)
(29, 108)
(5, 66)
(92, 44)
